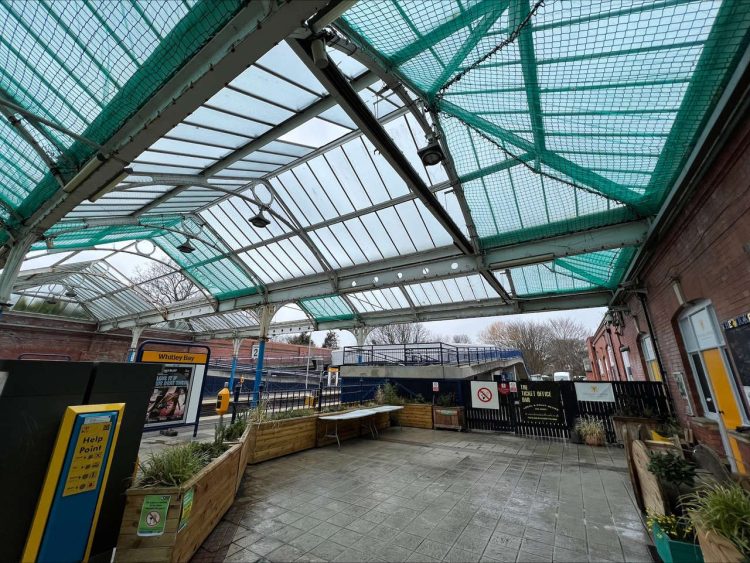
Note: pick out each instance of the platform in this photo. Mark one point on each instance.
(423, 495)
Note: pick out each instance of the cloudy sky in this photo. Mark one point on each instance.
(590, 318)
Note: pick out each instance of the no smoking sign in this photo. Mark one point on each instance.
(483, 395)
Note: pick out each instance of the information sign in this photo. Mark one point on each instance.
(503, 388)
(154, 512)
(541, 402)
(484, 395)
(435, 386)
(88, 455)
(596, 392)
(187, 507)
(70, 500)
(513, 386)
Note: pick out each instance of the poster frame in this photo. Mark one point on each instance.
(189, 346)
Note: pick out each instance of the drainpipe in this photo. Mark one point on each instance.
(644, 306)
(611, 353)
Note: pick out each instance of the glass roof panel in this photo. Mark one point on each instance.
(327, 308)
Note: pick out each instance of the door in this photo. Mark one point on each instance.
(716, 384)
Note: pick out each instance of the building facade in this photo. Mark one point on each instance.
(686, 317)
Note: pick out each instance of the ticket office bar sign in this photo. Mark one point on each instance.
(541, 402)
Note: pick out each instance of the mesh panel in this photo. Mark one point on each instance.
(88, 65)
(327, 308)
(560, 116)
(596, 270)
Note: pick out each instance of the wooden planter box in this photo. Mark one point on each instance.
(245, 448)
(415, 416)
(213, 487)
(717, 548)
(674, 551)
(269, 440)
(632, 423)
(451, 418)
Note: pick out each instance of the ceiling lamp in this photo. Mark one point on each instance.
(186, 247)
(432, 154)
(51, 301)
(71, 293)
(49, 242)
(259, 221)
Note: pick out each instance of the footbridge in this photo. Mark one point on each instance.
(429, 361)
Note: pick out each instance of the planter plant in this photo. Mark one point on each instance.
(178, 498)
(591, 430)
(676, 475)
(721, 515)
(446, 414)
(674, 538)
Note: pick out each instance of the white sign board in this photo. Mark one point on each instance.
(254, 352)
(598, 392)
(513, 387)
(484, 395)
(435, 386)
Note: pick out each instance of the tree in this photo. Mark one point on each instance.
(531, 338)
(162, 284)
(406, 333)
(461, 339)
(331, 340)
(567, 347)
(301, 339)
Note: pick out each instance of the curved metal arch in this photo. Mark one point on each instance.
(162, 179)
(221, 251)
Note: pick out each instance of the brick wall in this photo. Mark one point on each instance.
(22, 333)
(707, 250)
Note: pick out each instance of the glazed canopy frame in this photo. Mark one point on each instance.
(566, 129)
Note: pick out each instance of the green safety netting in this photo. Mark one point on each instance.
(77, 235)
(560, 116)
(327, 308)
(583, 272)
(209, 265)
(87, 66)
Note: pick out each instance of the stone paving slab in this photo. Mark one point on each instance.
(425, 495)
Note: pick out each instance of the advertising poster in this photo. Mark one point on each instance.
(541, 402)
(170, 398)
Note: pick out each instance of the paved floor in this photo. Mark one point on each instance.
(424, 495)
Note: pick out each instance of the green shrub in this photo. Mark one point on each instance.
(725, 510)
(235, 430)
(173, 466)
(446, 400)
(672, 468)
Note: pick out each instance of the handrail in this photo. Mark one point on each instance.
(427, 353)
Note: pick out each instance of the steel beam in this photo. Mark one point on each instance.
(441, 263)
(339, 87)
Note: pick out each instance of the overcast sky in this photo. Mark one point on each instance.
(589, 318)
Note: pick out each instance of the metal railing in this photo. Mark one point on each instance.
(318, 398)
(437, 353)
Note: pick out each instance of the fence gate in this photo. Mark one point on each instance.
(550, 409)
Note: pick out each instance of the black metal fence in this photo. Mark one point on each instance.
(437, 353)
(650, 399)
(315, 397)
